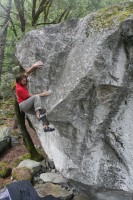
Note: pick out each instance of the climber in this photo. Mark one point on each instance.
(29, 103)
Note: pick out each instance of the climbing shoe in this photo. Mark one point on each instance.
(48, 129)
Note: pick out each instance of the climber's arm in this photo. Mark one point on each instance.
(35, 66)
(43, 94)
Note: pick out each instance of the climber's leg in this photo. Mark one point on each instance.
(33, 106)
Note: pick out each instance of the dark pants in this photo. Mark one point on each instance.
(23, 190)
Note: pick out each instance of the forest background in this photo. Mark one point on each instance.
(17, 17)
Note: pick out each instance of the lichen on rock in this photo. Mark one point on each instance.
(107, 18)
(22, 173)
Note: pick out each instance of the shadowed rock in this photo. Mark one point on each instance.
(5, 138)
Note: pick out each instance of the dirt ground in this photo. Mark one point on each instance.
(16, 151)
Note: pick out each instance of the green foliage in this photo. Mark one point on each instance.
(9, 56)
(5, 87)
(98, 4)
(7, 81)
(6, 111)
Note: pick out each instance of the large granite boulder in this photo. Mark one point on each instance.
(88, 64)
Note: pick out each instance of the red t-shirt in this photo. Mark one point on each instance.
(21, 92)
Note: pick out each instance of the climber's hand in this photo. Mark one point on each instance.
(35, 66)
(38, 64)
(46, 93)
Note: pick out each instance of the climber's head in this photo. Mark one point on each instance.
(21, 79)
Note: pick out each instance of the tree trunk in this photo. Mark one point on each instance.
(3, 34)
(26, 137)
(37, 13)
(20, 9)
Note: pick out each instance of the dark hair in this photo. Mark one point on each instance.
(20, 77)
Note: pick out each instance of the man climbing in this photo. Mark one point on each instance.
(29, 103)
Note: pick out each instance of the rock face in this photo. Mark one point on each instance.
(88, 64)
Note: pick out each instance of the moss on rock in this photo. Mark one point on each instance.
(21, 158)
(22, 173)
(108, 17)
(4, 170)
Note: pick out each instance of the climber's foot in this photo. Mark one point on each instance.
(48, 129)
